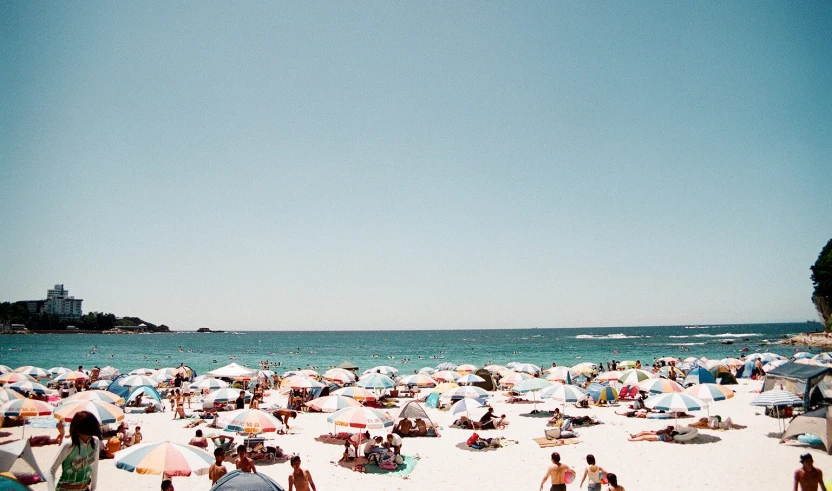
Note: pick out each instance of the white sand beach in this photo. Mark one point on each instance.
(749, 458)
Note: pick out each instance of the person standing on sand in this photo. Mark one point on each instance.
(557, 474)
(244, 462)
(613, 480)
(808, 476)
(300, 479)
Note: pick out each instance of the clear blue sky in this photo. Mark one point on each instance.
(352, 165)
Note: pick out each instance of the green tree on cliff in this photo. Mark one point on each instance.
(822, 279)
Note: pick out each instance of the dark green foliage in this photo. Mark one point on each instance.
(822, 272)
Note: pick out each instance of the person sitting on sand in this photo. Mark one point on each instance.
(501, 423)
(217, 469)
(244, 462)
(137, 435)
(421, 428)
(404, 427)
(614, 486)
(487, 421)
(349, 453)
(555, 417)
(224, 442)
(284, 415)
(373, 445)
(199, 440)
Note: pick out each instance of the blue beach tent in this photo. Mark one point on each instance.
(432, 400)
(147, 391)
(246, 481)
(118, 389)
(699, 375)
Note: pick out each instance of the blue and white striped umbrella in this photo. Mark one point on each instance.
(55, 371)
(466, 391)
(101, 384)
(776, 397)
(530, 385)
(138, 380)
(376, 381)
(802, 354)
(564, 393)
(143, 371)
(31, 371)
(5, 369)
(675, 402)
(33, 387)
(224, 396)
(209, 384)
(526, 368)
(382, 369)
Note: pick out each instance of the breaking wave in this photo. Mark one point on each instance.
(726, 335)
(606, 336)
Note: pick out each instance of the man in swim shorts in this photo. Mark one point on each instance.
(557, 474)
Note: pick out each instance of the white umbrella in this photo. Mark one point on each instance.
(532, 385)
(675, 402)
(466, 404)
(469, 379)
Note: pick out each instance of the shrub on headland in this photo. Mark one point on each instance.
(822, 280)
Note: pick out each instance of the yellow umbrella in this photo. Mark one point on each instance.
(444, 387)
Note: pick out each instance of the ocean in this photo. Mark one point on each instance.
(405, 350)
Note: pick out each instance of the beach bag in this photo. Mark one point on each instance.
(472, 439)
(388, 464)
(552, 433)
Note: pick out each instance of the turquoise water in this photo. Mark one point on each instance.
(405, 350)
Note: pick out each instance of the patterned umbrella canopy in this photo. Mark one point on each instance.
(12, 377)
(776, 397)
(339, 375)
(465, 391)
(710, 392)
(71, 376)
(95, 395)
(170, 459)
(224, 396)
(138, 380)
(513, 378)
(331, 404)
(676, 402)
(469, 379)
(7, 395)
(104, 412)
(376, 381)
(419, 380)
(252, 421)
(633, 376)
(25, 408)
(659, 386)
(445, 376)
(561, 374)
(361, 418)
(526, 368)
(564, 393)
(445, 387)
(31, 371)
(466, 368)
(357, 393)
(26, 387)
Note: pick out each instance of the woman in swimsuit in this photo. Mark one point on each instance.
(300, 479)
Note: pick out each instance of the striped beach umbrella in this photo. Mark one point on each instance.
(470, 378)
(731, 362)
(299, 382)
(526, 368)
(564, 393)
(659, 386)
(562, 374)
(357, 393)
(209, 384)
(5, 369)
(137, 381)
(612, 376)
(465, 391)
(606, 394)
(633, 376)
(585, 367)
(55, 371)
(466, 369)
(699, 375)
(444, 387)
(376, 381)
(13, 377)
(25, 408)
(531, 385)
(35, 372)
(776, 397)
(71, 376)
(669, 359)
(143, 371)
(224, 396)
(7, 395)
(419, 380)
(95, 395)
(514, 378)
(101, 384)
(675, 402)
(382, 369)
(331, 404)
(252, 421)
(108, 373)
(361, 418)
(104, 412)
(302, 373)
(29, 387)
(427, 370)
(710, 392)
(339, 375)
(170, 459)
(445, 376)
(495, 368)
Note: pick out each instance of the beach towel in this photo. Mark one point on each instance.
(545, 443)
(402, 470)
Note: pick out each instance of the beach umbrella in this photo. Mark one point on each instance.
(357, 393)
(101, 384)
(526, 368)
(446, 366)
(445, 387)
(7, 395)
(55, 371)
(361, 418)
(238, 480)
(532, 385)
(699, 375)
(383, 370)
(71, 376)
(776, 363)
(376, 381)
(137, 380)
(298, 382)
(143, 371)
(633, 376)
(777, 398)
(466, 368)
(495, 368)
(161, 378)
(95, 395)
(331, 404)
(675, 402)
(612, 376)
(561, 374)
(466, 404)
(514, 378)
(13, 377)
(659, 386)
(25, 408)
(35, 372)
(427, 370)
(564, 393)
(252, 421)
(224, 396)
(419, 380)
(167, 458)
(445, 376)
(108, 373)
(731, 362)
(825, 357)
(669, 359)
(339, 375)
(29, 387)
(764, 357)
(172, 372)
(606, 394)
(710, 392)
(667, 369)
(302, 373)
(104, 412)
(469, 379)
(5, 369)
(585, 367)
(209, 384)
(465, 391)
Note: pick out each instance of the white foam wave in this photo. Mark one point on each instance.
(727, 335)
(686, 344)
(698, 327)
(678, 337)
(606, 336)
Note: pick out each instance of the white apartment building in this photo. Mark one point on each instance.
(59, 302)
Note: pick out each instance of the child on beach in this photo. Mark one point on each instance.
(593, 473)
(217, 469)
(300, 479)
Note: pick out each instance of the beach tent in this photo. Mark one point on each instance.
(146, 391)
(745, 370)
(17, 457)
(432, 400)
(347, 366)
(723, 375)
(118, 389)
(488, 383)
(817, 423)
(699, 375)
(232, 370)
(414, 410)
(798, 379)
(248, 481)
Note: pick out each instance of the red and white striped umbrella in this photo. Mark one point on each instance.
(71, 376)
(362, 418)
(170, 459)
(252, 421)
(104, 412)
(357, 393)
(95, 395)
(331, 404)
